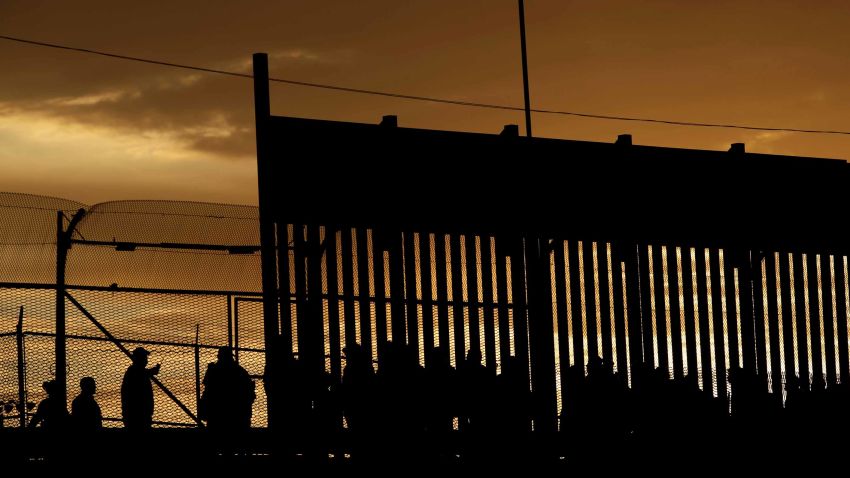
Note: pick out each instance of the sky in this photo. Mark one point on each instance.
(96, 129)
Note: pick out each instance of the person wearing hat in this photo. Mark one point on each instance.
(137, 392)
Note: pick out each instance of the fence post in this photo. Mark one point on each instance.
(63, 244)
(22, 392)
(197, 370)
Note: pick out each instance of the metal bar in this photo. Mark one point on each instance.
(691, 349)
(312, 331)
(787, 313)
(647, 334)
(704, 331)
(504, 331)
(633, 297)
(285, 287)
(717, 315)
(801, 312)
(29, 285)
(620, 355)
(488, 304)
(659, 290)
(441, 264)
(427, 294)
(746, 285)
(22, 374)
(675, 312)
(230, 342)
(815, 321)
(541, 335)
(395, 244)
(133, 341)
(524, 69)
(348, 299)
(236, 346)
(604, 302)
(560, 295)
(363, 263)
(61, 354)
(590, 300)
(197, 351)
(299, 264)
(408, 242)
(758, 313)
(472, 293)
(732, 313)
(379, 248)
(520, 306)
(457, 297)
(575, 299)
(63, 244)
(774, 338)
(126, 352)
(828, 325)
(333, 304)
(841, 315)
(268, 245)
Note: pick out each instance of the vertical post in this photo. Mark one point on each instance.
(828, 318)
(22, 391)
(747, 289)
(590, 300)
(411, 306)
(841, 315)
(541, 334)
(675, 312)
(691, 349)
(524, 68)
(457, 300)
(720, 339)
(802, 329)
(333, 304)
(61, 259)
(230, 321)
(579, 337)
(63, 244)
(236, 329)
(707, 368)
(284, 288)
(198, 369)
(268, 249)
(660, 290)
(427, 295)
(489, 304)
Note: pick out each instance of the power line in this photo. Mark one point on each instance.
(424, 98)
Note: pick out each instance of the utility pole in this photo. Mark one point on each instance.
(524, 68)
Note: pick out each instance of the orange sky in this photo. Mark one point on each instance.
(95, 129)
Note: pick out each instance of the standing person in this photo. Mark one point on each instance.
(228, 396)
(85, 412)
(137, 392)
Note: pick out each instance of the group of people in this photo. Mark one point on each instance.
(226, 402)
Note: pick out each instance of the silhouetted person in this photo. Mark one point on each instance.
(51, 413)
(85, 411)
(137, 392)
(228, 394)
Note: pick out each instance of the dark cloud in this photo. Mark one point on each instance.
(781, 64)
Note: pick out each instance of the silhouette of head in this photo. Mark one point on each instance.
(87, 385)
(225, 354)
(140, 356)
(49, 387)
